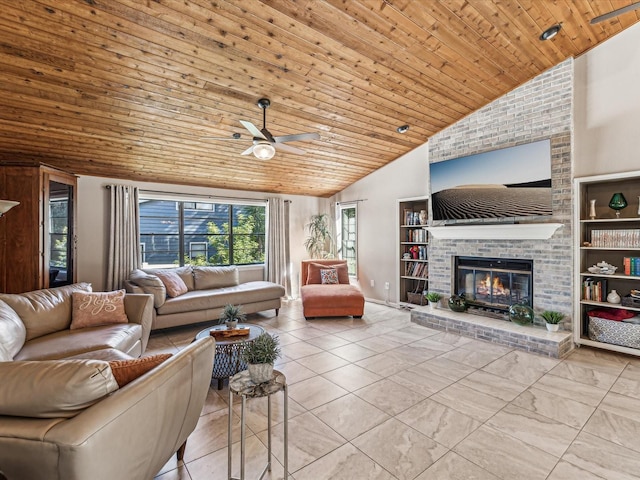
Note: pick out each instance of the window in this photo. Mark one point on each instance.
(347, 236)
(174, 232)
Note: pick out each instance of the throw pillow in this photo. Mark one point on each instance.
(313, 271)
(329, 276)
(172, 282)
(150, 284)
(126, 371)
(97, 308)
(12, 331)
(53, 388)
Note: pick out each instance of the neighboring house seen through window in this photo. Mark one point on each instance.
(174, 232)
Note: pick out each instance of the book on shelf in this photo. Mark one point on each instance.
(631, 266)
(416, 269)
(594, 290)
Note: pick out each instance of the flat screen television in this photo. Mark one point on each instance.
(506, 183)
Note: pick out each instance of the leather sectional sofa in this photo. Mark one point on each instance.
(63, 415)
(208, 290)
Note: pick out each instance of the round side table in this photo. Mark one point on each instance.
(228, 360)
(241, 385)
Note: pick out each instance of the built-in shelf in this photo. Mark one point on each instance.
(511, 231)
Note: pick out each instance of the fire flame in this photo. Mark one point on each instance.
(486, 286)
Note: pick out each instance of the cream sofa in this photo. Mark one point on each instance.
(62, 414)
(209, 289)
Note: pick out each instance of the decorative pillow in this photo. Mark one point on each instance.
(150, 284)
(44, 311)
(329, 276)
(313, 271)
(215, 277)
(98, 308)
(53, 388)
(4, 354)
(173, 283)
(126, 371)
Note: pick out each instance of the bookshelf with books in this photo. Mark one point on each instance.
(413, 240)
(607, 259)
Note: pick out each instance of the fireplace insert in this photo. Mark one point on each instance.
(493, 284)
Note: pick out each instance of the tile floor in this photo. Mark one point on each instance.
(382, 398)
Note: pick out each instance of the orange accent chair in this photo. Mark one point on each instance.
(329, 299)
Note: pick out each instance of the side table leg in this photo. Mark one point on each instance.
(286, 432)
(229, 439)
(220, 383)
(269, 432)
(242, 437)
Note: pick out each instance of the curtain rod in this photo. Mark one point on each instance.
(354, 201)
(196, 195)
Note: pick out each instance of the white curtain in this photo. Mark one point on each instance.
(278, 252)
(124, 234)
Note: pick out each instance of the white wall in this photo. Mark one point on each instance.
(377, 223)
(93, 224)
(607, 106)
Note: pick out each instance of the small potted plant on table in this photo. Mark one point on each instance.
(433, 298)
(552, 319)
(231, 315)
(260, 356)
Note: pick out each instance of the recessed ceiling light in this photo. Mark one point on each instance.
(550, 32)
(402, 128)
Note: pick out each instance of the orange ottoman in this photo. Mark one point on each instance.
(329, 300)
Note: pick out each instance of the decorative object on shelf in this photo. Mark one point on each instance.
(433, 298)
(613, 297)
(592, 209)
(260, 356)
(617, 203)
(231, 315)
(521, 313)
(457, 303)
(602, 268)
(415, 252)
(552, 319)
(422, 216)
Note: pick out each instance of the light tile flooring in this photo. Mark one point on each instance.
(382, 398)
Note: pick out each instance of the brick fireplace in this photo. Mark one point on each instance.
(536, 110)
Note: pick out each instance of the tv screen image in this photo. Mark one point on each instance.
(509, 182)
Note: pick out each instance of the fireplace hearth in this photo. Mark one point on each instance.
(491, 285)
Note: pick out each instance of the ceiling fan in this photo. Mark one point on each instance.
(615, 13)
(265, 144)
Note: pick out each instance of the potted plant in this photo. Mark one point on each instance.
(231, 315)
(552, 319)
(260, 356)
(433, 298)
(319, 236)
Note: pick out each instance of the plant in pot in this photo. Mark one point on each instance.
(231, 315)
(319, 236)
(433, 298)
(552, 319)
(260, 356)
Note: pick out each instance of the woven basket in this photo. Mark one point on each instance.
(416, 298)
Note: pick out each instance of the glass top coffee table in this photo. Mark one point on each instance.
(228, 361)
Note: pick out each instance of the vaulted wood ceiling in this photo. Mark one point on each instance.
(142, 89)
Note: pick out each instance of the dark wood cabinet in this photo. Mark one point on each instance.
(37, 237)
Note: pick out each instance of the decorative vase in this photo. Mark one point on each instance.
(457, 303)
(422, 216)
(617, 203)
(521, 314)
(260, 372)
(613, 297)
(592, 209)
(231, 324)
(553, 327)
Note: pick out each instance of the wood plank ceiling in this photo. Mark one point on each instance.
(154, 90)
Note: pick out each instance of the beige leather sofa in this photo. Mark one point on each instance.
(62, 414)
(209, 289)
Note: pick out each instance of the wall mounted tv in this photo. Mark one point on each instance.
(506, 183)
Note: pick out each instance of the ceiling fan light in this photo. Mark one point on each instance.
(264, 150)
(550, 32)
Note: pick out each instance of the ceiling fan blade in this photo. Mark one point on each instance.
(288, 148)
(615, 13)
(253, 130)
(300, 137)
(221, 138)
(248, 151)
